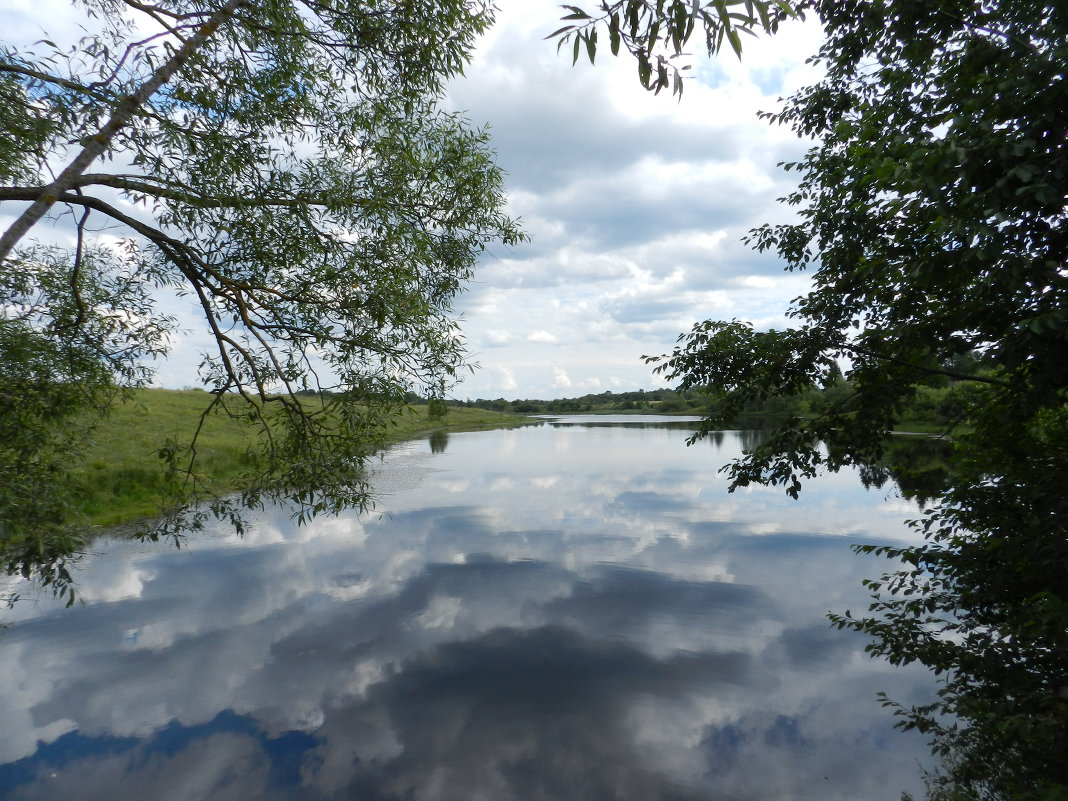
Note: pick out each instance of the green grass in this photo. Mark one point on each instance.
(121, 477)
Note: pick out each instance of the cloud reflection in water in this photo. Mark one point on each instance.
(628, 631)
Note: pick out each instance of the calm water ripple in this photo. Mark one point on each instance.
(564, 612)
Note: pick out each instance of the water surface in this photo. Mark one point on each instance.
(573, 611)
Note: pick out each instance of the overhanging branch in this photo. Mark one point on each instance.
(928, 370)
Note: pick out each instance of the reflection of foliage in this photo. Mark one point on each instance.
(984, 603)
(439, 441)
(932, 216)
(919, 466)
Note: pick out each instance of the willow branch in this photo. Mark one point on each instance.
(44, 77)
(146, 186)
(124, 112)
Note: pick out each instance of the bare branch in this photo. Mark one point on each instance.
(75, 273)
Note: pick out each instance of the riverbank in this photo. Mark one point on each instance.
(121, 477)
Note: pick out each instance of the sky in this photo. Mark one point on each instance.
(635, 205)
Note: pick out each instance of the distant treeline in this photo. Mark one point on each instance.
(663, 401)
(935, 406)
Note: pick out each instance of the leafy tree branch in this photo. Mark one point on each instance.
(294, 176)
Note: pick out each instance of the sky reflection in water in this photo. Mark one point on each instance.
(561, 612)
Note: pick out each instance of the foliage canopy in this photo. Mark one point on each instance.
(932, 217)
(283, 163)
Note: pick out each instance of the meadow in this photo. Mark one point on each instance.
(122, 478)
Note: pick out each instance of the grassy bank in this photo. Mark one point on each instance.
(122, 478)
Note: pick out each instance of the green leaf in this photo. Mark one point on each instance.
(735, 40)
(301, 181)
(644, 70)
(559, 31)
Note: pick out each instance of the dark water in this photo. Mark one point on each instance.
(562, 612)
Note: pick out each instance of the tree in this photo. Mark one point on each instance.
(932, 216)
(437, 409)
(282, 163)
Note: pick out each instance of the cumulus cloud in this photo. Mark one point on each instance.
(495, 336)
(506, 379)
(636, 204)
(541, 336)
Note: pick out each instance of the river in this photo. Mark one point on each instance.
(577, 610)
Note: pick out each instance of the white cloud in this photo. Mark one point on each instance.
(506, 379)
(636, 204)
(541, 336)
(496, 336)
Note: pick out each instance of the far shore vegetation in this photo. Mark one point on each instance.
(934, 408)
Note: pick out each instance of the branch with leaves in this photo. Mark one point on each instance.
(655, 32)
